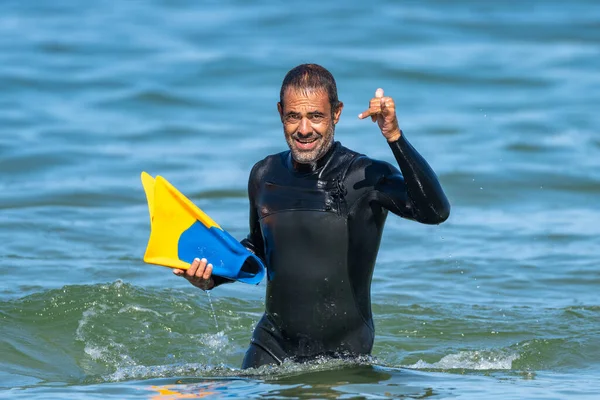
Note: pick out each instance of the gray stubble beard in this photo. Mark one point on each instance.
(307, 157)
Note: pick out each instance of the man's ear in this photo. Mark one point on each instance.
(280, 109)
(337, 112)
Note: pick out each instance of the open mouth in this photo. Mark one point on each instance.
(306, 144)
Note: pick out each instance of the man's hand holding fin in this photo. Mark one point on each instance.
(199, 274)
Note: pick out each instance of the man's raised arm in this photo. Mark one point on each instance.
(416, 193)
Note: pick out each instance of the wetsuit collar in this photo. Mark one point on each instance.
(312, 167)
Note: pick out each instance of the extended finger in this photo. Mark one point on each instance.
(379, 93)
(374, 109)
(367, 113)
(371, 112)
(178, 271)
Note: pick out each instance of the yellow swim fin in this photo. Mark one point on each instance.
(148, 184)
(180, 232)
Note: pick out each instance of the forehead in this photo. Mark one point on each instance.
(313, 99)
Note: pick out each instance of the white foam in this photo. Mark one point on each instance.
(130, 308)
(160, 371)
(217, 341)
(95, 353)
(288, 368)
(473, 360)
(85, 319)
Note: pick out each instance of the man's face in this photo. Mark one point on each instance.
(308, 123)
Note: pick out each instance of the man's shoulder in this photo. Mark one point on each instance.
(360, 160)
(343, 150)
(261, 166)
(365, 167)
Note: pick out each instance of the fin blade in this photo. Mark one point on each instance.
(187, 204)
(169, 221)
(148, 184)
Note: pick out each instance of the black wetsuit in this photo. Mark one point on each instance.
(318, 228)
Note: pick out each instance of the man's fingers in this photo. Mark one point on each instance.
(207, 272)
(191, 271)
(370, 113)
(201, 268)
(387, 106)
(196, 269)
(377, 106)
(198, 274)
(365, 114)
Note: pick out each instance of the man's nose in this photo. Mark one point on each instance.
(305, 127)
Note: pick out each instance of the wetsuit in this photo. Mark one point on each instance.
(318, 228)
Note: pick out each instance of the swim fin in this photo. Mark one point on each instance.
(180, 232)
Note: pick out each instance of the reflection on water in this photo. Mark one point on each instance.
(361, 381)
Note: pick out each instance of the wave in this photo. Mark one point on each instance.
(471, 360)
(117, 332)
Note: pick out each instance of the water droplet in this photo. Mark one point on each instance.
(212, 309)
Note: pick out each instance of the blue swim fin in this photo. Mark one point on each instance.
(180, 232)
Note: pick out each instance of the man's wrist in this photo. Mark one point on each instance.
(395, 136)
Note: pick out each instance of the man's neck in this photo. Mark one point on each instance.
(315, 165)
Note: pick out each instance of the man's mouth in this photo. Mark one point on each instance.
(306, 143)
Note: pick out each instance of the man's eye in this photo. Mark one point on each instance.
(316, 118)
(293, 118)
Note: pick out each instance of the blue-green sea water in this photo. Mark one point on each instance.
(501, 301)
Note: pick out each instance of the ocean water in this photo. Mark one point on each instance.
(502, 99)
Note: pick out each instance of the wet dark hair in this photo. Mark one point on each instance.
(306, 77)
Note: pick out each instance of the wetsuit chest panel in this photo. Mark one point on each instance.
(277, 197)
(310, 267)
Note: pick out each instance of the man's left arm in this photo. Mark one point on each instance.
(416, 193)
(425, 198)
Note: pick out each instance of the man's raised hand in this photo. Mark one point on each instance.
(383, 110)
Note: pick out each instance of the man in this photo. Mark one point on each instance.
(317, 214)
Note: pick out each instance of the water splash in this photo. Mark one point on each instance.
(268, 372)
(470, 360)
(212, 309)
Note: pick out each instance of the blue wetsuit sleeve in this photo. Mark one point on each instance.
(415, 193)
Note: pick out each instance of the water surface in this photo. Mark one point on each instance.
(501, 301)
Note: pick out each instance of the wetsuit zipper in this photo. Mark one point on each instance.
(338, 195)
